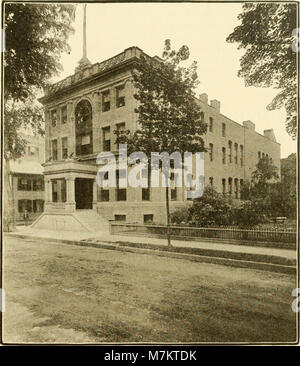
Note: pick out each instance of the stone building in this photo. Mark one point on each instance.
(82, 112)
(27, 179)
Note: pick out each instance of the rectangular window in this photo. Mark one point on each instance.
(211, 124)
(103, 195)
(63, 189)
(211, 181)
(236, 153)
(34, 184)
(121, 127)
(242, 188)
(20, 205)
(148, 219)
(84, 145)
(173, 194)
(120, 96)
(230, 186)
(22, 184)
(258, 154)
(121, 194)
(223, 185)
(28, 185)
(223, 129)
(230, 151)
(120, 217)
(106, 138)
(54, 117)
(28, 205)
(105, 101)
(54, 191)
(64, 115)
(64, 144)
(40, 184)
(236, 188)
(242, 155)
(54, 149)
(211, 152)
(224, 155)
(146, 194)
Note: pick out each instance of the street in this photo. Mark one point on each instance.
(58, 293)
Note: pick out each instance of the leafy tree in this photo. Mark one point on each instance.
(265, 172)
(168, 114)
(273, 197)
(265, 33)
(212, 208)
(247, 214)
(288, 173)
(35, 37)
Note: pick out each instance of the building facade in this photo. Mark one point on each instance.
(27, 179)
(82, 113)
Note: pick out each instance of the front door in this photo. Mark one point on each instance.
(84, 193)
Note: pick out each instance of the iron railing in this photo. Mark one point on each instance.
(261, 235)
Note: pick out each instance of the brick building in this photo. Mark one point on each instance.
(27, 179)
(83, 110)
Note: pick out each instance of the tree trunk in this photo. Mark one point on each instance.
(9, 223)
(168, 217)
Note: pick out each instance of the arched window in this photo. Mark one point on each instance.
(84, 128)
(202, 116)
(83, 113)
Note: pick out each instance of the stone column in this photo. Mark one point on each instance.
(48, 195)
(95, 191)
(48, 191)
(71, 129)
(70, 205)
(47, 135)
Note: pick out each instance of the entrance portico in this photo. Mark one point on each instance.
(70, 185)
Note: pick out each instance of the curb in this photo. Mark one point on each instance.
(156, 250)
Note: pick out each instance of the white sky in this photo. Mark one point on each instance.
(111, 28)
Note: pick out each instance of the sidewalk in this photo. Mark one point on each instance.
(289, 254)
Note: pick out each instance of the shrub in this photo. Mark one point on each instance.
(248, 214)
(180, 216)
(212, 208)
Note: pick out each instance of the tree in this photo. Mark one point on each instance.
(168, 114)
(288, 173)
(273, 197)
(265, 172)
(212, 208)
(35, 37)
(265, 33)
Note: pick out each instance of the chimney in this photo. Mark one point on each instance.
(215, 104)
(250, 125)
(204, 98)
(269, 134)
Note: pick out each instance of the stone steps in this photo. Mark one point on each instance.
(92, 220)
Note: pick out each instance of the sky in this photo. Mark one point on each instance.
(111, 28)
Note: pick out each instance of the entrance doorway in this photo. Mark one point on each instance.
(84, 193)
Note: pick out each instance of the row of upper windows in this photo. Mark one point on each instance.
(121, 194)
(61, 114)
(30, 184)
(211, 124)
(232, 183)
(84, 143)
(261, 155)
(230, 154)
